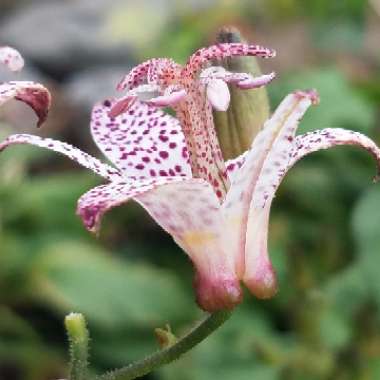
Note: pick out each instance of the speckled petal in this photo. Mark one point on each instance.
(224, 50)
(328, 138)
(156, 70)
(136, 76)
(144, 142)
(73, 153)
(122, 105)
(259, 275)
(163, 72)
(11, 58)
(233, 165)
(33, 94)
(96, 202)
(189, 211)
(282, 146)
(268, 146)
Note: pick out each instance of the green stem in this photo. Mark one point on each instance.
(78, 338)
(196, 335)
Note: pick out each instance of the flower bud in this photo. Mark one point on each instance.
(248, 109)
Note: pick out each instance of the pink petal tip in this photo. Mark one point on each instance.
(312, 94)
(217, 293)
(263, 282)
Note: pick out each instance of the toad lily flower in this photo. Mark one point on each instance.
(192, 90)
(226, 241)
(33, 94)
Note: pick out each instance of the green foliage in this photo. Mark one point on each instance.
(341, 105)
(324, 230)
(250, 353)
(366, 224)
(82, 277)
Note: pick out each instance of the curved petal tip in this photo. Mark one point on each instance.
(122, 105)
(90, 217)
(217, 293)
(263, 282)
(33, 94)
(312, 94)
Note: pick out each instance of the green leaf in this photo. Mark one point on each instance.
(116, 347)
(74, 276)
(335, 37)
(340, 106)
(47, 202)
(253, 352)
(15, 327)
(348, 289)
(21, 347)
(335, 329)
(366, 222)
(366, 227)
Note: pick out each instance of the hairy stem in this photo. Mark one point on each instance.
(78, 338)
(196, 335)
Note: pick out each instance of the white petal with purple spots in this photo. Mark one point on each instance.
(68, 150)
(143, 142)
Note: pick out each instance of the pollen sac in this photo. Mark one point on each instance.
(248, 108)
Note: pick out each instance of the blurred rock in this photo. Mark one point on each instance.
(29, 73)
(83, 89)
(62, 36)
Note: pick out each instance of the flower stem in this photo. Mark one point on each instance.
(196, 335)
(78, 337)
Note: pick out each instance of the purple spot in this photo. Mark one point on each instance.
(163, 154)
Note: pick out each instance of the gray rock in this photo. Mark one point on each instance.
(88, 86)
(28, 73)
(85, 88)
(62, 36)
(80, 92)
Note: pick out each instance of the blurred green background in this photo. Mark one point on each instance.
(325, 224)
